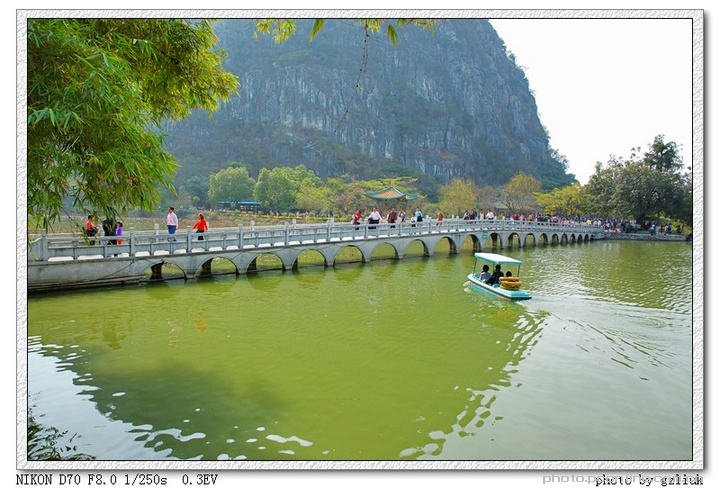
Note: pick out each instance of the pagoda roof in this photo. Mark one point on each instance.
(390, 193)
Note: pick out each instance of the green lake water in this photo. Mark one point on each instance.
(388, 360)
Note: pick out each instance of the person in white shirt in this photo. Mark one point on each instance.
(374, 217)
(172, 221)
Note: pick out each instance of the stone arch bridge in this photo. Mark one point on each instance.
(70, 261)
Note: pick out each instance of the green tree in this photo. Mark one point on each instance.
(277, 189)
(643, 191)
(458, 196)
(682, 207)
(314, 199)
(98, 93)
(567, 201)
(197, 187)
(232, 184)
(518, 194)
(600, 189)
(663, 156)
(347, 196)
(645, 186)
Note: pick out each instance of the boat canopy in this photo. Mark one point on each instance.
(496, 258)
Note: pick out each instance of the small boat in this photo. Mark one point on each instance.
(509, 287)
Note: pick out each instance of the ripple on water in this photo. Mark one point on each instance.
(395, 353)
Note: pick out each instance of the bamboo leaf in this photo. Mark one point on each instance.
(392, 34)
(317, 27)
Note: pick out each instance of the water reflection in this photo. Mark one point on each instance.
(382, 361)
(512, 331)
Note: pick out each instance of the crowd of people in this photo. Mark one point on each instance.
(623, 226)
(113, 228)
(392, 217)
(110, 227)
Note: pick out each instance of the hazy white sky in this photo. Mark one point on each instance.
(604, 86)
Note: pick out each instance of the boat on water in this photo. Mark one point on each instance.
(508, 287)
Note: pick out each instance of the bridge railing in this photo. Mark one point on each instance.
(57, 247)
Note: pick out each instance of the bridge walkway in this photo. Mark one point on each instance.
(75, 261)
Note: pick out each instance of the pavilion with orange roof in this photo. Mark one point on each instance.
(391, 194)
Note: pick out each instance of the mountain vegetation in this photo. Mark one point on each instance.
(437, 106)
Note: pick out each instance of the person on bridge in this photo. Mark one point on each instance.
(356, 218)
(392, 217)
(90, 229)
(374, 217)
(109, 227)
(201, 226)
(172, 221)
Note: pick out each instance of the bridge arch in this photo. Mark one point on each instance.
(309, 257)
(344, 250)
(512, 239)
(454, 248)
(208, 267)
(165, 270)
(475, 242)
(496, 240)
(384, 250)
(405, 244)
(265, 261)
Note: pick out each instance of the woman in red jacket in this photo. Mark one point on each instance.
(201, 226)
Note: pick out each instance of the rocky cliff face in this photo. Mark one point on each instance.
(450, 104)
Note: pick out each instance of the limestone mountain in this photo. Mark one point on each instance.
(447, 105)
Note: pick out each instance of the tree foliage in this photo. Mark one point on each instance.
(643, 190)
(278, 188)
(197, 187)
(568, 201)
(317, 199)
(663, 156)
(600, 189)
(458, 196)
(283, 29)
(651, 184)
(518, 194)
(98, 91)
(232, 184)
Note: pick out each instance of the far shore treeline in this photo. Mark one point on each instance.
(649, 187)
